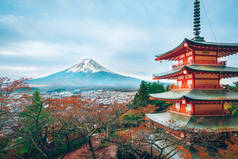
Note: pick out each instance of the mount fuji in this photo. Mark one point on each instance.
(86, 74)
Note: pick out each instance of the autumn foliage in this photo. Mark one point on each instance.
(32, 126)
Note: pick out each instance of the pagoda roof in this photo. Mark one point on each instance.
(181, 122)
(197, 95)
(223, 70)
(224, 49)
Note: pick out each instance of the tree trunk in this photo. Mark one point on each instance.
(91, 147)
(68, 143)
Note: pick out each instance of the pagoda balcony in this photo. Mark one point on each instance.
(200, 113)
(178, 66)
(209, 62)
(208, 86)
(206, 62)
(213, 112)
(174, 87)
(200, 62)
(182, 111)
(201, 86)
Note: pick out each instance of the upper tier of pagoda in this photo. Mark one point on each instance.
(199, 91)
(187, 46)
(205, 70)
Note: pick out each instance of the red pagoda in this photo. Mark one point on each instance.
(198, 92)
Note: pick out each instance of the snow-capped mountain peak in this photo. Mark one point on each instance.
(86, 74)
(87, 66)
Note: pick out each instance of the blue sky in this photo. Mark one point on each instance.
(40, 37)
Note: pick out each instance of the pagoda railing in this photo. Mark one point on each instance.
(209, 62)
(207, 112)
(180, 111)
(200, 62)
(208, 86)
(206, 62)
(178, 66)
(200, 86)
(212, 112)
(175, 87)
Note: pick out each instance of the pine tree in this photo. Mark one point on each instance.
(33, 122)
(143, 95)
(141, 98)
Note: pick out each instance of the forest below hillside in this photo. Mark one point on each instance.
(35, 127)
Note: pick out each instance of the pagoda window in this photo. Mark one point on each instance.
(189, 76)
(182, 56)
(181, 62)
(188, 107)
(189, 53)
(177, 106)
(180, 84)
(183, 101)
(190, 60)
(185, 72)
(190, 83)
(181, 77)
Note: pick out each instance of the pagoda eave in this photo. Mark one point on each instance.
(197, 95)
(223, 71)
(174, 76)
(169, 76)
(223, 49)
(180, 122)
(163, 99)
(196, 101)
(173, 54)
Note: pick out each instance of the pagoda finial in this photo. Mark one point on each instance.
(197, 25)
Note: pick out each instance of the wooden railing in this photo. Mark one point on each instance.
(207, 112)
(206, 62)
(200, 86)
(208, 86)
(212, 112)
(175, 87)
(178, 66)
(180, 111)
(209, 62)
(200, 62)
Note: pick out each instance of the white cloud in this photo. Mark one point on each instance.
(19, 24)
(18, 68)
(29, 49)
(15, 71)
(113, 36)
(10, 53)
(12, 19)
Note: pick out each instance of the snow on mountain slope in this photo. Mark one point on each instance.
(87, 65)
